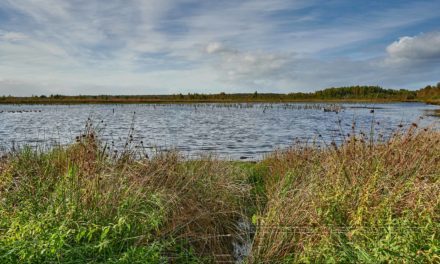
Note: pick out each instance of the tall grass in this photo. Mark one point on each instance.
(81, 205)
(359, 202)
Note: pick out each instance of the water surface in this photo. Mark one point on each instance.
(238, 131)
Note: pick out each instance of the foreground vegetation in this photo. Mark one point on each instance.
(353, 93)
(359, 202)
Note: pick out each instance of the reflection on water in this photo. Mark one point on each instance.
(236, 131)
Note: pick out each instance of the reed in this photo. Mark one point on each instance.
(362, 201)
(81, 205)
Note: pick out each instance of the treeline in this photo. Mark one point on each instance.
(366, 92)
(429, 92)
(349, 93)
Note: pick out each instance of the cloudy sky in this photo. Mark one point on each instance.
(173, 46)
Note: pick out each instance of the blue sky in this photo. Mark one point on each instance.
(180, 46)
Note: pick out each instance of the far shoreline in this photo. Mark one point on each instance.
(104, 102)
(350, 94)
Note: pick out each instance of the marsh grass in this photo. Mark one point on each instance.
(362, 201)
(79, 204)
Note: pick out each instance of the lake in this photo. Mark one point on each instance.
(236, 131)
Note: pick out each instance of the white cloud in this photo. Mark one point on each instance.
(161, 46)
(282, 71)
(12, 36)
(250, 67)
(213, 47)
(424, 46)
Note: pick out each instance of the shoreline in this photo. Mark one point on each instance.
(187, 102)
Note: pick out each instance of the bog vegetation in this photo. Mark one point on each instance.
(356, 202)
(352, 93)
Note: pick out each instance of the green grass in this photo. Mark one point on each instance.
(73, 205)
(355, 203)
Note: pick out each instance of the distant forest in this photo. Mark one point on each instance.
(349, 93)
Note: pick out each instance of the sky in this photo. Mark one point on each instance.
(76, 47)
